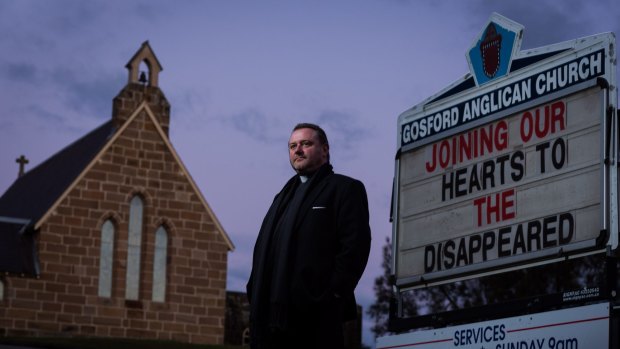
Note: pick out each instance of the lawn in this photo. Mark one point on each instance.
(104, 343)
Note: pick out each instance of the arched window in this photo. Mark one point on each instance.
(1, 290)
(134, 243)
(159, 265)
(106, 259)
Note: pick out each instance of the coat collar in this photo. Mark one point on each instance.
(316, 184)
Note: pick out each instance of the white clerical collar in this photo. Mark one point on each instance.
(304, 179)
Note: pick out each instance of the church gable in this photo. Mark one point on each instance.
(139, 165)
(34, 193)
(129, 247)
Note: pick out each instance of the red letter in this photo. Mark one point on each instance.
(444, 154)
(508, 202)
(493, 208)
(465, 147)
(486, 140)
(557, 115)
(501, 135)
(430, 166)
(542, 132)
(527, 117)
(478, 203)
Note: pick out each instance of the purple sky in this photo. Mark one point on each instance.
(240, 74)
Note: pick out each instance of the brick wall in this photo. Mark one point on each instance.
(128, 99)
(64, 300)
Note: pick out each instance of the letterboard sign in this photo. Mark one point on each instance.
(511, 164)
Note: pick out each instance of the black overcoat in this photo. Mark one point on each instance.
(328, 251)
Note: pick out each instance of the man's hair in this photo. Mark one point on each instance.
(319, 131)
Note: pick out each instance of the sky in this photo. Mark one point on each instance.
(239, 74)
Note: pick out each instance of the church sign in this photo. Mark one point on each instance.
(512, 165)
(573, 328)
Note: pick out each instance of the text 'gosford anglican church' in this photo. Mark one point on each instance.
(530, 88)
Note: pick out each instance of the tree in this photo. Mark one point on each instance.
(518, 284)
(380, 309)
(384, 294)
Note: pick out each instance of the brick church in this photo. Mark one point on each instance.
(111, 237)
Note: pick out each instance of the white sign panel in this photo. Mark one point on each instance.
(518, 186)
(582, 327)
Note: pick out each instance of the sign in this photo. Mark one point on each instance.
(582, 327)
(511, 170)
(517, 186)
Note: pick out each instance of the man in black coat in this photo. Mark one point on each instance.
(310, 252)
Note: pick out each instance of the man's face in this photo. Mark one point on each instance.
(306, 152)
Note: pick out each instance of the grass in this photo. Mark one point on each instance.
(104, 343)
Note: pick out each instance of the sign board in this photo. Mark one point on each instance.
(581, 327)
(508, 166)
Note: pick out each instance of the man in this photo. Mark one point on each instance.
(310, 252)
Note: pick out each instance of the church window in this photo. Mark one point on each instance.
(106, 258)
(134, 244)
(159, 264)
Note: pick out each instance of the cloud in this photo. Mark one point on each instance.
(344, 130)
(576, 18)
(46, 116)
(79, 16)
(92, 95)
(52, 119)
(20, 72)
(257, 125)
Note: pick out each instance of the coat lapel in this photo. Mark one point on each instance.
(278, 204)
(317, 184)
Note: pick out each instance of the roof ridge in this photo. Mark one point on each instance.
(65, 148)
(30, 195)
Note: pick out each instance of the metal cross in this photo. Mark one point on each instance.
(22, 161)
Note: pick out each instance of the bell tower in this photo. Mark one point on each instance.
(142, 86)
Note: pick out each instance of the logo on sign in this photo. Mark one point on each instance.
(491, 54)
(489, 49)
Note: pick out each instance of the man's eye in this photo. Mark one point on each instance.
(306, 144)
(292, 146)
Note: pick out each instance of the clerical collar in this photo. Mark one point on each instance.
(304, 178)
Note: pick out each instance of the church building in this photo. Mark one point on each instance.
(111, 237)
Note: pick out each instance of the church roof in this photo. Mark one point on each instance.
(33, 194)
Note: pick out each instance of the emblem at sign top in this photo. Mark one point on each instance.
(490, 49)
(492, 52)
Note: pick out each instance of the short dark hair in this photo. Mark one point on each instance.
(319, 131)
